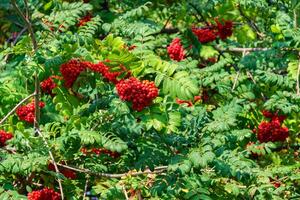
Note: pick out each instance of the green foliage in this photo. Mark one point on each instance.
(199, 135)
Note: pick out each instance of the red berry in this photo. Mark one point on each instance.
(44, 194)
(4, 136)
(176, 50)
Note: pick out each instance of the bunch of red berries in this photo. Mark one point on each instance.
(99, 151)
(84, 20)
(210, 33)
(204, 35)
(44, 194)
(176, 50)
(26, 112)
(66, 172)
(272, 130)
(105, 71)
(139, 93)
(71, 70)
(4, 136)
(48, 85)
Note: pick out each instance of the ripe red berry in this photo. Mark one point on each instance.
(26, 112)
(204, 35)
(4, 136)
(176, 50)
(44, 194)
(224, 30)
(139, 93)
(71, 70)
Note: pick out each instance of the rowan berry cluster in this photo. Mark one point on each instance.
(26, 112)
(105, 71)
(204, 35)
(99, 151)
(4, 136)
(84, 20)
(139, 93)
(66, 172)
(48, 85)
(71, 70)
(272, 130)
(176, 50)
(210, 33)
(44, 194)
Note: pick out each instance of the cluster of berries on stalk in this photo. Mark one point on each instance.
(207, 34)
(176, 50)
(48, 85)
(106, 73)
(44, 194)
(272, 130)
(84, 20)
(4, 136)
(26, 112)
(66, 172)
(99, 151)
(71, 70)
(139, 93)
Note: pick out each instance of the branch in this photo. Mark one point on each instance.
(241, 50)
(298, 74)
(16, 107)
(53, 162)
(35, 47)
(199, 13)
(157, 170)
(250, 22)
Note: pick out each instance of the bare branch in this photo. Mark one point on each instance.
(250, 22)
(298, 74)
(157, 170)
(249, 49)
(16, 107)
(86, 187)
(53, 162)
(35, 47)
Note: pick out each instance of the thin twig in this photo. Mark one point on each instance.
(199, 13)
(16, 107)
(298, 74)
(125, 192)
(250, 22)
(53, 162)
(35, 47)
(15, 41)
(295, 19)
(249, 49)
(157, 170)
(86, 187)
(235, 81)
